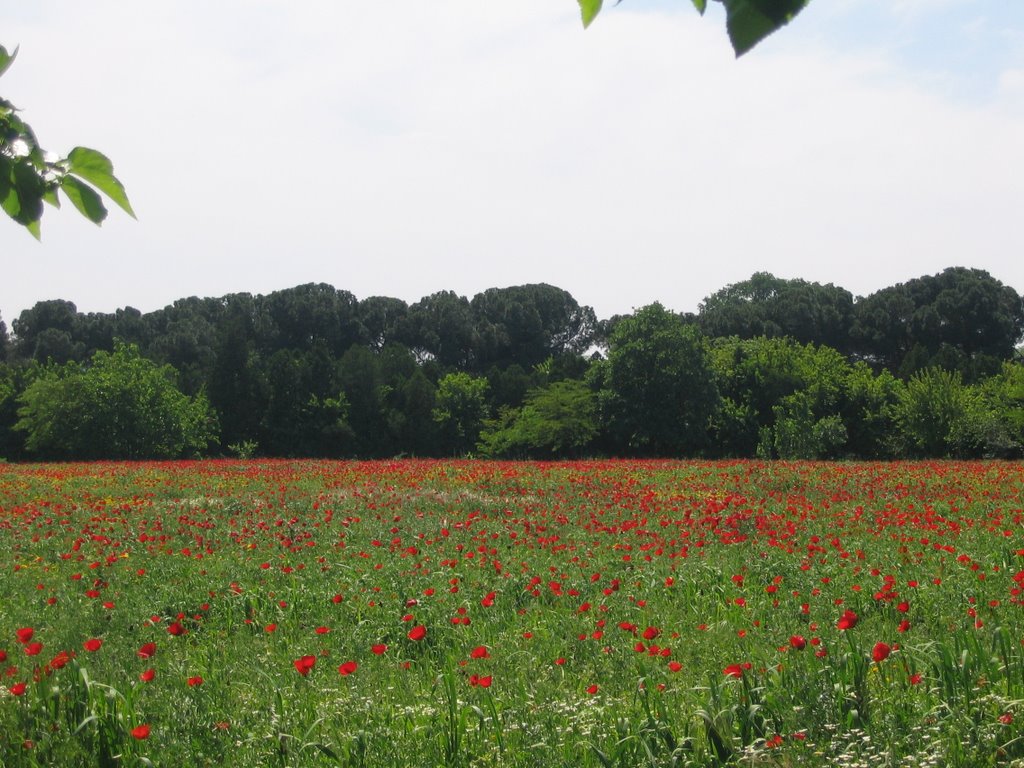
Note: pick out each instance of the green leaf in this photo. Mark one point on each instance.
(6, 59)
(700, 5)
(50, 197)
(97, 169)
(29, 187)
(750, 21)
(589, 10)
(84, 198)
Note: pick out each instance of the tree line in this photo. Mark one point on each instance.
(767, 367)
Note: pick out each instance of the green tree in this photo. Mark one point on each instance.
(28, 178)
(119, 406)
(932, 407)
(766, 305)
(661, 392)
(556, 421)
(459, 411)
(961, 319)
(748, 22)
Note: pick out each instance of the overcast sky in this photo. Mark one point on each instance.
(393, 147)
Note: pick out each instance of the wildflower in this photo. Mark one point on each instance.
(592, 689)
(417, 633)
(93, 644)
(848, 620)
(733, 670)
(24, 634)
(347, 668)
(798, 642)
(148, 675)
(176, 629)
(194, 681)
(881, 652)
(33, 649)
(147, 651)
(304, 665)
(480, 652)
(140, 732)
(18, 689)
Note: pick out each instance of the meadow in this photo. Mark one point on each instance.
(462, 613)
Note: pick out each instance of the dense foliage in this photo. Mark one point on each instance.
(768, 367)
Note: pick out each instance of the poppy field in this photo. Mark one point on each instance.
(466, 613)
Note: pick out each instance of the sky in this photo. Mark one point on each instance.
(401, 148)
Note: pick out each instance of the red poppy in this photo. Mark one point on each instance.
(733, 670)
(914, 679)
(140, 732)
(148, 675)
(651, 632)
(592, 689)
(33, 649)
(194, 681)
(560, 661)
(322, 630)
(24, 634)
(147, 651)
(881, 651)
(481, 681)
(848, 620)
(1006, 718)
(17, 689)
(480, 652)
(93, 644)
(379, 649)
(798, 642)
(347, 668)
(270, 628)
(60, 660)
(304, 664)
(675, 666)
(418, 632)
(176, 629)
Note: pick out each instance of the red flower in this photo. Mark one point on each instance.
(60, 660)
(592, 689)
(347, 668)
(798, 642)
(18, 689)
(480, 652)
(675, 666)
(194, 681)
(270, 628)
(379, 649)
(303, 665)
(1006, 718)
(880, 652)
(93, 644)
(418, 632)
(560, 661)
(176, 629)
(140, 732)
(848, 620)
(914, 679)
(481, 681)
(24, 634)
(147, 651)
(322, 630)
(733, 670)
(651, 632)
(33, 649)
(148, 675)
